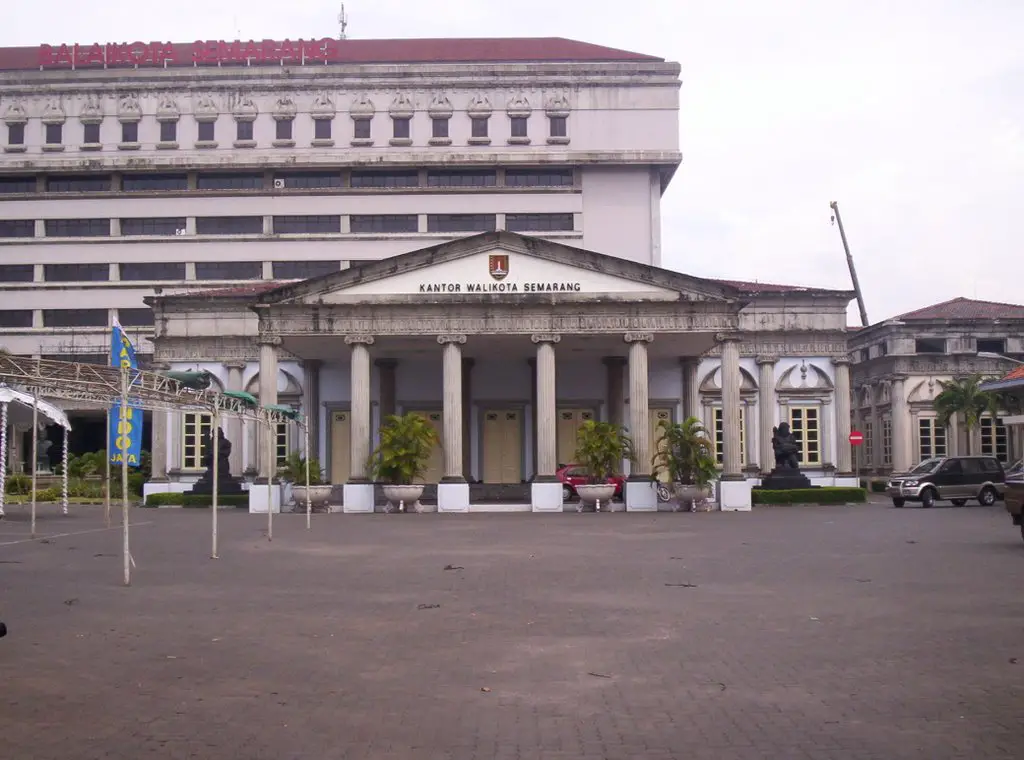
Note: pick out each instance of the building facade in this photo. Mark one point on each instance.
(507, 344)
(898, 366)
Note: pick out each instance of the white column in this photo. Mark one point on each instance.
(546, 491)
(159, 438)
(876, 430)
(691, 388)
(234, 424)
(311, 405)
(264, 493)
(900, 425)
(734, 490)
(844, 454)
(766, 411)
(453, 490)
(640, 488)
(358, 491)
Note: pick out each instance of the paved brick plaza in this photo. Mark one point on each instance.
(831, 632)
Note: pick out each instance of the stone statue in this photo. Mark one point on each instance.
(43, 455)
(226, 484)
(786, 475)
(786, 448)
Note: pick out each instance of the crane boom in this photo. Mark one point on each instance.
(853, 269)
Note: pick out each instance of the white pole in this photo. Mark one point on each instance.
(309, 504)
(35, 450)
(271, 460)
(3, 457)
(106, 479)
(122, 441)
(215, 434)
(64, 476)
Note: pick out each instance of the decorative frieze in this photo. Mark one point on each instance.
(129, 110)
(638, 337)
(496, 324)
(351, 340)
(91, 113)
(546, 338)
(15, 114)
(54, 113)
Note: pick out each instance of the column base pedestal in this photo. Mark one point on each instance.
(641, 495)
(357, 498)
(263, 498)
(546, 497)
(453, 497)
(735, 495)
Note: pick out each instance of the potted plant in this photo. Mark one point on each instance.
(401, 457)
(600, 449)
(293, 470)
(685, 453)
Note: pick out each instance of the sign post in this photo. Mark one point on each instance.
(856, 439)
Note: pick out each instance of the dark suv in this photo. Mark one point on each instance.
(956, 479)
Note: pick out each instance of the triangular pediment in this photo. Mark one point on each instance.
(500, 265)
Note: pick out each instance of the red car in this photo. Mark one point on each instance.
(573, 475)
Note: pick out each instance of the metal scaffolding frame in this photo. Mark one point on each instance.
(127, 387)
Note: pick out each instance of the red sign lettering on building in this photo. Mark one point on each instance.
(200, 52)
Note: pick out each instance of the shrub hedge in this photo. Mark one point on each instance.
(823, 495)
(196, 500)
(875, 486)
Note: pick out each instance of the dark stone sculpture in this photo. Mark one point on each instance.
(226, 483)
(786, 475)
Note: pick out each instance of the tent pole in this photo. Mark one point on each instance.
(309, 505)
(35, 453)
(215, 436)
(64, 476)
(3, 457)
(122, 441)
(271, 460)
(106, 480)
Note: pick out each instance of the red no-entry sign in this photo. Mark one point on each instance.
(856, 438)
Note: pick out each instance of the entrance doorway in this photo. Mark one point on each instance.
(341, 437)
(569, 421)
(657, 416)
(502, 436)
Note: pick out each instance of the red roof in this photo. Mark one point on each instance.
(1015, 374)
(467, 50)
(966, 308)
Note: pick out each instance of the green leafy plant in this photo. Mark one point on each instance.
(685, 452)
(963, 397)
(406, 443)
(293, 469)
(600, 449)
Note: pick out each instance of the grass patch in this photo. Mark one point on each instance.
(823, 495)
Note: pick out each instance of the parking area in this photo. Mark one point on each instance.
(854, 633)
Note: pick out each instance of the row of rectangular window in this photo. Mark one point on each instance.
(291, 225)
(206, 132)
(358, 179)
(168, 271)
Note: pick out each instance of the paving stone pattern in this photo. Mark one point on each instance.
(845, 633)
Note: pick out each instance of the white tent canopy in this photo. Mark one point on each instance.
(20, 408)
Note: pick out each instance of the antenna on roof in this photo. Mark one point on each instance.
(342, 23)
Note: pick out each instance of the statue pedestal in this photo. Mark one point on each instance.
(226, 484)
(785, 480)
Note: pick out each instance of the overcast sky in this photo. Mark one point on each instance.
(907, 112)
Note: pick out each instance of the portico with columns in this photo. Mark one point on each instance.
(507, 344)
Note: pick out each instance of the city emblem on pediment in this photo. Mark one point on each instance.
(497, 265)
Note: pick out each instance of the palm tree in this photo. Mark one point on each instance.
(963, 397)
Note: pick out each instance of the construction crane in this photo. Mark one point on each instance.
(836, 219)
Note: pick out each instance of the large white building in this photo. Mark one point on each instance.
(133, 170)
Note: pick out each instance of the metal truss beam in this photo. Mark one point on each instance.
(99, 384)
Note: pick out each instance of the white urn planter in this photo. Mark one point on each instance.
(319, 495)
(405, 499)
(595, 496)
(690, 496)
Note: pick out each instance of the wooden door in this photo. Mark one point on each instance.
(341, 439)
(657, 415)
(435, 466)
(502, 437)
(569, 421)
